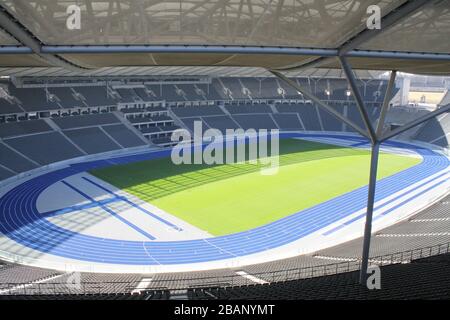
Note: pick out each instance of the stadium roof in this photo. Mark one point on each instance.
(272, 34)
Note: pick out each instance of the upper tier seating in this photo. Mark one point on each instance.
(235, 86)
(36, 99)
(150, 129)
(155, 91)
(290, 93)
(190, 92)
(219, 89)
(96, 96)
(162, 140)
(170, 127)
(148, 118)
(7, 107)
(170, 93)
(269, 89)
(197, 111)
(126, 94)
(86, 120)
(66, 97)
(161, 117)
(144, 94)
(210, 91)
(33, 99)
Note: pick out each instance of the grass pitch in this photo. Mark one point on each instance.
(224, 199)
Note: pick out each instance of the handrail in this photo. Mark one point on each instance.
(186, 283)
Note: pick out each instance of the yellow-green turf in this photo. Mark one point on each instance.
(224, 199)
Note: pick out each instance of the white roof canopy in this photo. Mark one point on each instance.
(273, 34)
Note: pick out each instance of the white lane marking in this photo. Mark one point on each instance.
(250, 277)
(431, 219)
(142, 285)
(29, 284)
(398, 235)
(335, 258)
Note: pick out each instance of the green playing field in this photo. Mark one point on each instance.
(224, 199)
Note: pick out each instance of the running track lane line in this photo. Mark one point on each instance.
(133, 204)
(362, 215)
(79, 207)
(22, 222)
(115, 215)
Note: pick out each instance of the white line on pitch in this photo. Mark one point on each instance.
(250, 277)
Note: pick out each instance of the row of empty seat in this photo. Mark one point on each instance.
(31, 99)
(289, 116)
(436, 131)
(153, 122)
(422, 279)
(37, 99)
(26, 145)
(428, 240)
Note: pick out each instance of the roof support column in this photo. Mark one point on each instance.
(415, 123)
(369, 214)
(22, 35)
(385, 106)
(375, 151)
(359, 100)
(319, 102)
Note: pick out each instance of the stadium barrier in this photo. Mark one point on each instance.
(185, 283)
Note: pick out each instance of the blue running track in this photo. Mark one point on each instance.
(22, 222)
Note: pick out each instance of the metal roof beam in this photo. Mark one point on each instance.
(358, 98)
(33, 45)
(385, 106)
(415, 123)
(320, 52)
(189, 49)
(319, 102)
(391, 19)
